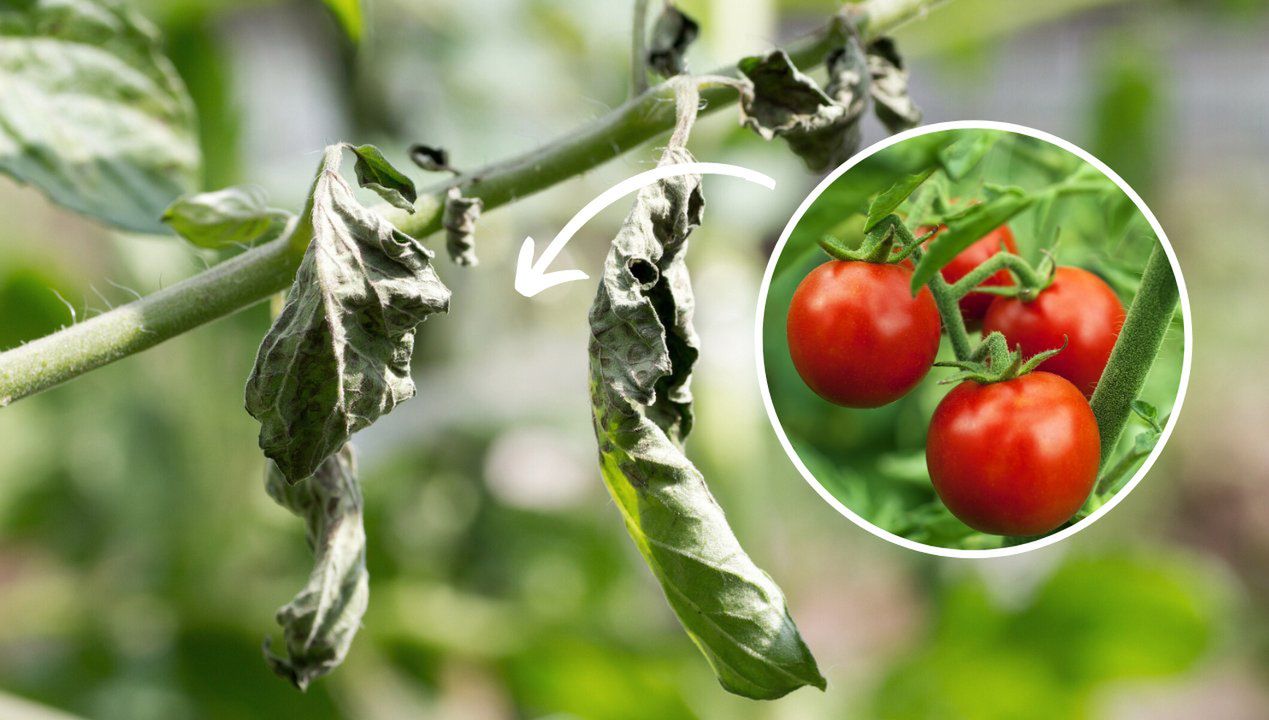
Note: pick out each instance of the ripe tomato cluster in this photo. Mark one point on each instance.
(1015, 455)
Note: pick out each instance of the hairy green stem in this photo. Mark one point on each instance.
(258, 273)
(1135, 350)
(1030, 280)
(950, 312)
(639, 49)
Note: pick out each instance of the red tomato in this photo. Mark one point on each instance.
(974, 305)
(857, 336)
(1079, 306)
(1017, 457)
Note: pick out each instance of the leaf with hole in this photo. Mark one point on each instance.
(642, 350)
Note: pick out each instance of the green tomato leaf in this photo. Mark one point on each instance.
(93, 113)
(1147, 412)
(338, 356)
(237, 215)
(963, 155)
(672, 34)
(320, 623)
(821, 126)
(348, 14)
(374, 172)
(966, 227)
(642, 350)
(889, 87)
(890, 200)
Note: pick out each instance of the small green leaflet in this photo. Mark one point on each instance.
(237, 215)
(320, 623)
(338, 356)
(349, 16)
(965, 153)
(890, 200)
(821, 126)
(966, 227)
(642, 350)
(93, 113)
(374, 172)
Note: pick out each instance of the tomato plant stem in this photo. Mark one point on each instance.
(1028, 277)
(639, 49)
(262, 271)
(1138, 344)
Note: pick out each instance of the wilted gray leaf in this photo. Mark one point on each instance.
(459, 220)
(822, 128)
(672, 33)
(338, 356)
(642, 350)
(374, 172)
(237, 215)
(92, 112)
(320, 623)
(890, 87)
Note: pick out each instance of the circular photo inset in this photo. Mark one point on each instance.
(974, 339)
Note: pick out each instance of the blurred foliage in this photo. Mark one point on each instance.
(873, 460)
(1094, 622)
(141, 562)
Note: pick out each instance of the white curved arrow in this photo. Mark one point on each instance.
(532, 277)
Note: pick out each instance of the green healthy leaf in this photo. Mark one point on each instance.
(890, 200)
(821, 126)
(93, 113)
(338, 356)
(237, 215)
(672, 34)
(642, 350)
(374, 172)
(348, 14)
(962, 156)
(1147, 412)
(320, 623)
(459, 220)
(965, 228)
(889, 87)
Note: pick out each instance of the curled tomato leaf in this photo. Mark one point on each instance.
(642, 350)
(889, 87)
(459, 220)
(338, 356)
(237, 215)
(672, 34)
(821, 126)
(320, 623)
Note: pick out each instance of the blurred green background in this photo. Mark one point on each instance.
(873, 461)
(141, 562)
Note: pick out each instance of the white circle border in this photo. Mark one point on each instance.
(1186, 362)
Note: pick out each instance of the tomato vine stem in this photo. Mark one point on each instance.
(256, 274)
(1144, 328)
